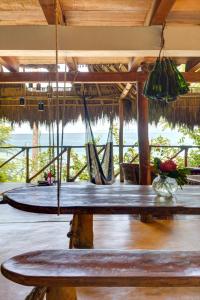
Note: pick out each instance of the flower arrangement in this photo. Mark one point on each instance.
(170, 169)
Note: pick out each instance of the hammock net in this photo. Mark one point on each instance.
(100, 171)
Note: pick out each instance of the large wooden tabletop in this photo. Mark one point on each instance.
(112, 199)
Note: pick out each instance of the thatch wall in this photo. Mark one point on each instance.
(185, 111)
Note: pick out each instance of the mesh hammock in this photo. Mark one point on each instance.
(100, 171)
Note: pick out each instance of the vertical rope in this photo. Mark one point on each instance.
(57, 108)
(63, 125)
(162, 39)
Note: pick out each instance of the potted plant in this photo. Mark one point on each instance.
(169, 177)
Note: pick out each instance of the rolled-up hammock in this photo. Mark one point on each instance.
(100, 172)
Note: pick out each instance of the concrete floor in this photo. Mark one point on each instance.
(21, 232)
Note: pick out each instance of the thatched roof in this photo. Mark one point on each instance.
(102, 101)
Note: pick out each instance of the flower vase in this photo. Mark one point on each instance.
(165, 186)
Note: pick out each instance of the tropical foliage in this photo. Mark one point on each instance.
(15, 170)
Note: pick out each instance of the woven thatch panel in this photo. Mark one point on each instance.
(69, 113)
(102, 102)
(185, 111)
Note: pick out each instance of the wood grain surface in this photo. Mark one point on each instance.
(104, 268)
(115, 199)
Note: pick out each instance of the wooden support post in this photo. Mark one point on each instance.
(121, 137)
(143, 139)
(81, 234)
(186, 157)
(35, 142)
(68, 164)
(27, 166)
(143, 142)
(61, 293)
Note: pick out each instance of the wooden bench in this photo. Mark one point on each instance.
(62, 270)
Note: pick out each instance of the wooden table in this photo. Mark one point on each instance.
(85, 200)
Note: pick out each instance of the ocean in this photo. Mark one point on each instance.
(78, 139)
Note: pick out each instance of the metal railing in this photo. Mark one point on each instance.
(181, 149)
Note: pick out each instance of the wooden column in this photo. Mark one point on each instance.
(81, 232)
(143, 138)
(68, 164)
(27, 166)
(121, 136)
(35, 142)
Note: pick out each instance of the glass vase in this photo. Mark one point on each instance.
(165, 186)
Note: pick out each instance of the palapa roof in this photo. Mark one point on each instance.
(103, 99)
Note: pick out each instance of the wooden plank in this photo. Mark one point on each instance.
(104, 5)
(185, 12)
(49, 9)
(21, 12)
(115, 199)
(143, 137)
(161, 11)
(85, 77)
(105, 268)
(104, 18)
(10, 63)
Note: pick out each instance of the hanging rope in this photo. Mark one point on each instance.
(50, 117)
(162, 40)
(63, 124)
(57, 109)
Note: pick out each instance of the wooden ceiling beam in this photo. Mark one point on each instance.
(48, 7)
(193, 65)
(85, 77)
(98, 42)
(159, 12)
(10, 63)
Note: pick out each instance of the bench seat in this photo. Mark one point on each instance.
(104, 268)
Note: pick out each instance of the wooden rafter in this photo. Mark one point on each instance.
(157, 15)
(134, 63)
(161, 11)
(85, 77)
(132, 67)
(72, 64)
(193, 65)
(91, 69)
(48, 7)
(10, 63)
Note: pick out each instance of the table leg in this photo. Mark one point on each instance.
(61, 293)
(81, 232)
(146, 218)
(37, 293)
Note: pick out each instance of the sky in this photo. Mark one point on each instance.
(79, 127)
